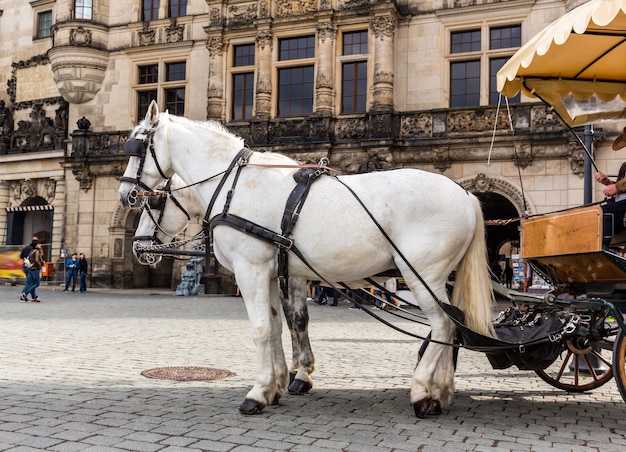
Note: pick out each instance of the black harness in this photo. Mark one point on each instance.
(304, 178)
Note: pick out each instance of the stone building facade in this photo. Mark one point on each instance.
(367, 84)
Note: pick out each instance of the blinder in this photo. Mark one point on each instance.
(135, 147)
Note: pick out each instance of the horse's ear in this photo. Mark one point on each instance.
(152, 115)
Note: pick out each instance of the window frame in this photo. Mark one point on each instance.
(39, 8)
(484, 55)
(162, 85)
(241, 70)
(83, 8)
(280, 65)
(352, 58)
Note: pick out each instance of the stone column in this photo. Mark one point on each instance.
(263, 96)
(215, 93)
(383, 29)
(324, 83)
(58, 220)
(4, 202)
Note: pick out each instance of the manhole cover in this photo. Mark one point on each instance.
(187, 373)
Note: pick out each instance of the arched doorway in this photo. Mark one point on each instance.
(33, 218)
(497, 207)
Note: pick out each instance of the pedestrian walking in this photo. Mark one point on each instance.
(33, 262)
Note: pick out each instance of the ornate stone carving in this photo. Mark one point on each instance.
(295, 7)
(147, 36)
(475, 120)
(242, 14)
(83, 175)
(263, 86)
(215, 46)
(214, 92)
(215, 16)
(351, 129)
(264, 39)
(377, 160)
(383, 27)
(416, 125)
(576, 158)
(441, 159)
(20, 191)
(523, 155)
(174, 32)
(352, 4)
(383, 77)
(483, 184)
(80, 37)
(543, 119)
(324, 81)
(264, 10)
(326, 31)
(117, 248)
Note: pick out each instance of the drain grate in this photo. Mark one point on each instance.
(187, 373)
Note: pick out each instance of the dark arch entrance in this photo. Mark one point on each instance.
(497, 207)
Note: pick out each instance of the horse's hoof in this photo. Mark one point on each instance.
(299, 387)
(250, 406)
(292, 377)
(427, 407)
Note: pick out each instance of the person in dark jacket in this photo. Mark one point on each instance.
(72, 272)
(82, 272)
(33, 275)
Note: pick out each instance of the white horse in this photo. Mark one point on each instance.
(167, 215)
(351, 227)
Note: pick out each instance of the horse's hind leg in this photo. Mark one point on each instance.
(263, 307)
(297, 316)
(433, 379)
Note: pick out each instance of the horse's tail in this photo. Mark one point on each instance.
(473, 293)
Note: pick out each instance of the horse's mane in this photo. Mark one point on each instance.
(209, 125)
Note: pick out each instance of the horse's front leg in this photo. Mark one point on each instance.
(297, 315)
(265, 319)
(433, 379)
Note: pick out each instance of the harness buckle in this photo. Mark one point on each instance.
(284, 243)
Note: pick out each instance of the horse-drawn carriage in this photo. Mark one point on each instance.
(420, 224)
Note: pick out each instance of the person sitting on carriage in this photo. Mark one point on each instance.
(614, 210)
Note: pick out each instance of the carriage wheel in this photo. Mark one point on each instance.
(579, 368)
(619, 363)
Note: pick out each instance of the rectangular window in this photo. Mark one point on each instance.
(44, 23)
(178, 8)
(148, 74)
(295, 91)
(243, 55)
(355, 43)
(354, 87)
(465, 84)
(143, 102)
(295, 83)
(164, 83)
(296, 48)
(83, 9)
(175, 71)
(243, 96)
(505, 37)
(465, 41)
(150, 10)
(495, 64)
(175, 101)
(243, 82)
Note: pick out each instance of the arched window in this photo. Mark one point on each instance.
(83, 9)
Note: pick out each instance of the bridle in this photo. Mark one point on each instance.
(138, 146)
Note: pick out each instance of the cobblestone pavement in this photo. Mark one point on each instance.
(70, 381)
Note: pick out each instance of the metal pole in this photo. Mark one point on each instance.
(587, 174)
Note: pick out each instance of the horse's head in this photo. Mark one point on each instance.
(148, 164)
(163, 218)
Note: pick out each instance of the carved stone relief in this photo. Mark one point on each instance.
(174, 32)
(242, 14)
(483, 184)
(216, 46)
(80, 37)
(147, 36)
(20, 191)
(286, 8)
(326, 31)
(383, 27)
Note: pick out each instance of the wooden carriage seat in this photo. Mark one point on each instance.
(568, 246)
